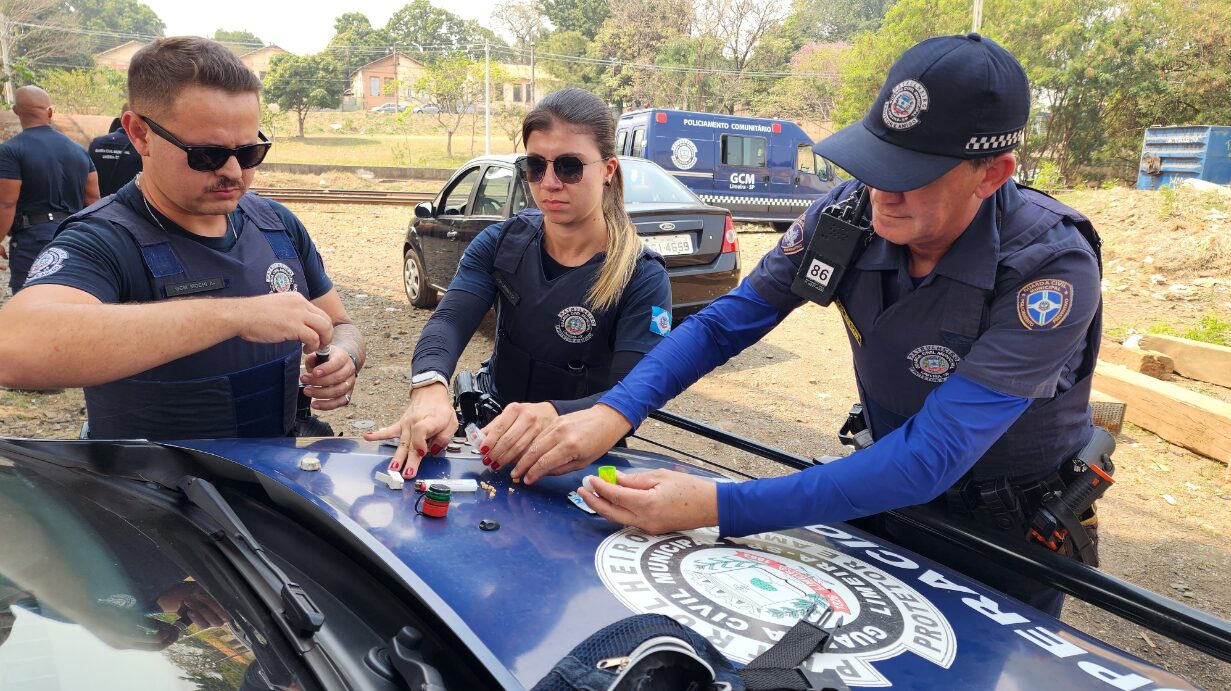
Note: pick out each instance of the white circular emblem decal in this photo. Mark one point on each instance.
(47, 263)
(684, 154)
(576, 324)
(933, 362)
(743, 594)
(280, 277)
(907, 100)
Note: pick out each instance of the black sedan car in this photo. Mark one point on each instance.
(698, 241)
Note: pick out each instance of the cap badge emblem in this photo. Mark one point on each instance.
(906, 101)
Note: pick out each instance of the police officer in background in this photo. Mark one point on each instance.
(114, 157)
(44, 177)
(181, 303)
(973, 316)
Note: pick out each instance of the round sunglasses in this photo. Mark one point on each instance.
(569, 169)
(209, 158)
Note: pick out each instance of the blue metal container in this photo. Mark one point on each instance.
(1170, 155)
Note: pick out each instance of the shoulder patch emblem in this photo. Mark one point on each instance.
(933, 362)
(576, 324)
(660, 320)
(281, 278)
(793, 239)
(1045, 303)
(47, 263)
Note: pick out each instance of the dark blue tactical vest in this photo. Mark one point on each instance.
(951, 315)
(233, 389)
(549, 344)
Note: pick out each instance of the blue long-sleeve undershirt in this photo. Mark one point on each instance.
(958, 423)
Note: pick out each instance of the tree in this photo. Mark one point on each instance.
(96, 91)
(39, 30)
(568, 43)
(425, 31)
(300, 83)
(810, 93)
(239, 42)
(635, 33)
(585, 17)
(841, 20)
(508, 120)
(117, 16)
(523, 21)
(455, 82)
(355, 43)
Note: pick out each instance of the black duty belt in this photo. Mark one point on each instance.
(999, 503)
(25, 221)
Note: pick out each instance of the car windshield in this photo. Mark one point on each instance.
(101, 594)
(645, 182)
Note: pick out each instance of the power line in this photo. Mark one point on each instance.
(446, 48)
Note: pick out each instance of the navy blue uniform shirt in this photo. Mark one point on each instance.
(116, 160)
(52, 169)
(105, 261)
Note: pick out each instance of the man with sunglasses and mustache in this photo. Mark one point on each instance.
(181, 303)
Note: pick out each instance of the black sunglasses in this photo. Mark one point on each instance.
(569, 169)
(210, 158)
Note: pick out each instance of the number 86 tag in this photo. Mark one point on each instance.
(819, 273)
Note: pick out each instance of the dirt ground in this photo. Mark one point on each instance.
(793, 389)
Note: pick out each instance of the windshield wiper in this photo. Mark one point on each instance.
(296, 614)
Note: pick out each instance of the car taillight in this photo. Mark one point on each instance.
(730, 240)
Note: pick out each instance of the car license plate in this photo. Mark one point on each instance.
(669, 245)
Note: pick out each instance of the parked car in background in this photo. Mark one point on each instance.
(698, 241)
(429, 108)
(391, 108)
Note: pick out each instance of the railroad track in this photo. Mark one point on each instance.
(327, 196)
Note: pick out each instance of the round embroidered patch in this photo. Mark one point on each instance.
(933, 362)
(906, 101)
(576, 324)
(280, 277)
(684, 154)
(47, 263)
(793, 239)
(1045, 303)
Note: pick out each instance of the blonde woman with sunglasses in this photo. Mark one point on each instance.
(578, 300)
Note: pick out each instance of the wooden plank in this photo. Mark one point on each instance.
(1203, 361)
(1182, 417)
(1151, 362)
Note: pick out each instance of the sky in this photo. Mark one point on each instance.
(301, 27)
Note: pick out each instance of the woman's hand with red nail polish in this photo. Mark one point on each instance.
(514, 430)
(429, 421)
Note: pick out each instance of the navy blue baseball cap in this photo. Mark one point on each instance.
(947, 99)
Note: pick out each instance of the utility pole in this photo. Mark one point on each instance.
(976, 15)
(4, 51)
(487, 98)
(530, 96)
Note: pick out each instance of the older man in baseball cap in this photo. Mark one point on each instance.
(972, 308)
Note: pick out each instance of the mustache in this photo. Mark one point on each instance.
(226, 184)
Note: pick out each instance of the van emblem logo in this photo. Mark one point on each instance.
(666, 226)
(684, 154)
